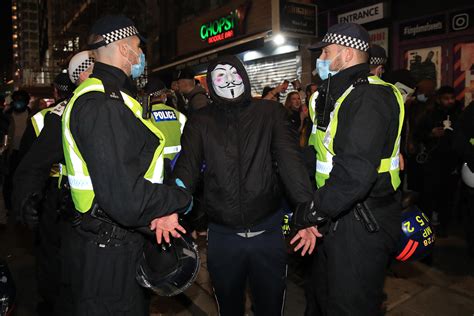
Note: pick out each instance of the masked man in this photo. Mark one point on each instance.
(246, 144)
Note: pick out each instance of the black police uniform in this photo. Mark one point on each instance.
(240, 141)
(117, 149)
(32, 185)
(349, 266)
(33, 177)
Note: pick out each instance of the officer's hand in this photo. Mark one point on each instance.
(166, 225)
(29, 210)
(306, 216)
(307, 238)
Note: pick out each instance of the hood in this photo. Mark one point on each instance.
(233, 61)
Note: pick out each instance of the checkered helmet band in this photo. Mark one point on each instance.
(82, 67)
(62, 87)
(378, 61)
(159, 92)
(348, 41)
(119, 34)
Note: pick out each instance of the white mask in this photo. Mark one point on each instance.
(227, 83)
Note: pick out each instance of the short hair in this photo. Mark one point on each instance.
(445, 90)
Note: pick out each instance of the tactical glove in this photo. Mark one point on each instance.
(306, 216)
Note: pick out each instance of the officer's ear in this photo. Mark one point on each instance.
(123, 48)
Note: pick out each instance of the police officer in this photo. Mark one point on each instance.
(168, 120)
(114, 159)
(357, 123)
(40, 189)
(377, 60)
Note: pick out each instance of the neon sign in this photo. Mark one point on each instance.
(220, 29)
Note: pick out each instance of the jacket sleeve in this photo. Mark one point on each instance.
(289, 158)
(355, 164)
(118, 150)
(33, 171)
(188, 166)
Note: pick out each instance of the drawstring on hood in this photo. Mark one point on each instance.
(245, 97)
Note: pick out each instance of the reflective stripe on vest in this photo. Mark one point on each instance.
(37, 121)
(323, 140)
(82, 190)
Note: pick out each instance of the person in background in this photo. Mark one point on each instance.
(19, 112)
(195, 95)
(296, 112)
(377, 60)
(273, 94)
(438, 158)
(415, 108)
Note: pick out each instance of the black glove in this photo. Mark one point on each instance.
(306, 216)
(30, 210)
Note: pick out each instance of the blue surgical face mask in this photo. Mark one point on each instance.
(421, 97)
(138, 69)
(322, 67)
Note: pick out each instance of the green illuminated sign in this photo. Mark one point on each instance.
(219, 29)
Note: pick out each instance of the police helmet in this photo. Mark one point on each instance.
(7, 290)
(467, 175)
(168, 269)
(417, 237)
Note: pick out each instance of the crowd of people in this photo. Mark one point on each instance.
(98, 172)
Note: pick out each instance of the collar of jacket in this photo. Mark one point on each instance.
(110, 75)
(343, 79)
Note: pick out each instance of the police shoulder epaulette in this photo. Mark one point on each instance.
(361, 81)
(111, 91)
(59, 108)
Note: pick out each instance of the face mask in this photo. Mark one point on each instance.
(137, 69)
(323, 68)
(322, 65)
(421, 97)
(227, 83)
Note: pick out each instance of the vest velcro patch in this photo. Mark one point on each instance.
(164, 115)
(59, 109)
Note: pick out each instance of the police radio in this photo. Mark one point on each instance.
(146, 108)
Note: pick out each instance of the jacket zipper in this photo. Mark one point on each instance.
(240, 170)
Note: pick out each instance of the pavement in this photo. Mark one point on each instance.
(446, 287)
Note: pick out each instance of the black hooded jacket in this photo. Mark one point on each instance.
(240, 140)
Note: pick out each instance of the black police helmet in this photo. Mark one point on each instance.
(168, 270)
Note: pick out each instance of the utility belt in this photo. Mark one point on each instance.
(364, 211)
(105, 232)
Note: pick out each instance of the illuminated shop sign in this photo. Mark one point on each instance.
(225, 27)
(220, 29)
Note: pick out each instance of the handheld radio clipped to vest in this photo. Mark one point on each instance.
(146, 104)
